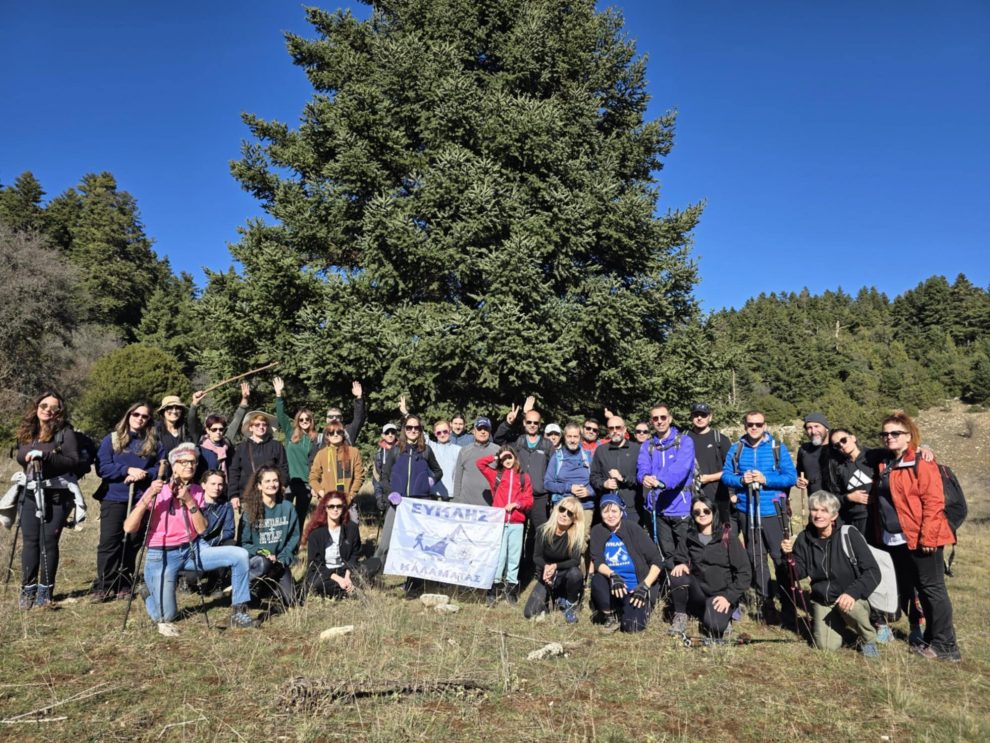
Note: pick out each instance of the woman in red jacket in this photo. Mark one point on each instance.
(513, 491)
(910, 504)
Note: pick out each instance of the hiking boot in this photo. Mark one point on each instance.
(43, 598)
(679, 625)
(924, 651)
(412, 589)
(610, 622)
(952, 656)
(536, 604)
(869, 650)
(167, 629)
(884, 635)
(239, 617)
(512, 594)
(917, 635)
(568, 607)
(491, 597)
(737, 614)
(26, 600)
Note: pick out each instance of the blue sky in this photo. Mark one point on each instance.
(836, 144)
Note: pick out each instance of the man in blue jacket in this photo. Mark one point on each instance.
(761, 472)
(665, 468)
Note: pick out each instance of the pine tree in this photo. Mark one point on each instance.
(466, 212)
(21, 209)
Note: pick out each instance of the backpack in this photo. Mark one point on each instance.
(884, 597)
(695, 486)
(86, 448)
(775, 447)
(955, 507)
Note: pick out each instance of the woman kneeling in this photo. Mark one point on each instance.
(556, 561)
(839, 590)
(333, 544)
(627, 565)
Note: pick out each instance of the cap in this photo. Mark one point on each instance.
(701, 407)
(816, 417)
(483, 422)
(552, 428)
(612, 498)
(389, 427)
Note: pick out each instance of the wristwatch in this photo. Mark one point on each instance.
(193, 509)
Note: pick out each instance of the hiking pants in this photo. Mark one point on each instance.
(631, 618)
(829, 621)
(35, 566)
(117, 552)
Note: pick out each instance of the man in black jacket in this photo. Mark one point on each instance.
(813, 457)
(710, 449)
(613, 469)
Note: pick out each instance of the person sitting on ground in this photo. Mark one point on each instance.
(270, 532)
(333, 544)
(839, 590)
(174, 527)
(556, 560)
(712, 572)
(624, 587)
(513, 491)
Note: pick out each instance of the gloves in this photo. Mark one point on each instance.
(640, 595)
(616, 583)
(34, 454)
(394, 498)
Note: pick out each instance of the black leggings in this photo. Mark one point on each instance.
(631, 618)
(40, 565)
(117, 552)
(699, 605)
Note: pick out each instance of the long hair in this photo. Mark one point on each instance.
(319, 517)
(404, 442)
(254, 507)
(297, 432)
(903, 419)
(121, 434)
(835, 453)
(31, 428)
(343, 452)
(575, 532)
(709, 502)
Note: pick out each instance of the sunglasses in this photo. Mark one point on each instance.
(172, 408)
(333, 416)
(642, 432)
(442, 432)
(335, 433)
(304, 419)
(414, 428)
(216, 429)
(761, 424)
(335, 507)
(259, 424)
(892, 434)
(389, 433)
(616, 428)
(49, 408)
(699, 414)
(701, 512)
(532, 423)
(591, 428)
(566, 510)
(142, 416)
(839, 443)
(661, 417)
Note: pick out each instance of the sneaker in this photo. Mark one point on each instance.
(884, 635)
(536, 604)
(512, 594)
(167, 629)
(679, 625)
(239, 617)
(610, 622)
(43, 598)
(26, 600)
(952, 656)
(869, 650)
(924, 651)
(569, 610)
(917, 635)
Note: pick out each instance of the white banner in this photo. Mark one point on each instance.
(445, 542)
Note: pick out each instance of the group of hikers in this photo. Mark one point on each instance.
(629, 519)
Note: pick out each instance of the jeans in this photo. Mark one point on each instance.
(509, 553)
(162, 566)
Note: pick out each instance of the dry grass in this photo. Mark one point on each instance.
(219, 684)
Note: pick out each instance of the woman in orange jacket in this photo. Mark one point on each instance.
(910, 512)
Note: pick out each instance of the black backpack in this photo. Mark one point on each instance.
(86, 448)
(955, 507)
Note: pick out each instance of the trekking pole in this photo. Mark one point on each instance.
(17, 531)
(759, 553)
(797, 593)
(138, 577)
(39, 500)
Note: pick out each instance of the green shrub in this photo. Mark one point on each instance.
(131, 373)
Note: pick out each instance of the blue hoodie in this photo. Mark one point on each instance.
(780, 478)
(567, 468)
(112, 467)
(672, 463)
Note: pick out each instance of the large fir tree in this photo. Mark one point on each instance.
(467, 211)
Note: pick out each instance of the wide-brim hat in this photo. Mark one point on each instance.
(170, 400)
(246, 425)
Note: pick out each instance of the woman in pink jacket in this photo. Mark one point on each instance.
(513, 491)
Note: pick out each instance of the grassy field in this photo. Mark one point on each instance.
(219, 684)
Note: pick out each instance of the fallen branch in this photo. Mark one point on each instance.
(201, 718)
(31, 722)
(91, 692)
(304, 693)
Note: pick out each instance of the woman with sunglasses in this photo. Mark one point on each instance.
(127, 461)
(851, 476)
(556, 561)
(511, 490)
(713, 569)
(410, 471)
(174, 426)
(258, 449)
(333, 544)
(270, 531)
(337, 468)
(300, 446)
(628, 564)
(908, 506)
(46, 445)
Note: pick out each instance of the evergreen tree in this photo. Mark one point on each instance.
(21, 209)
(170, 321)
(466, 212)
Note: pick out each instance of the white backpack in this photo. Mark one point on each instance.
(884, 598)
